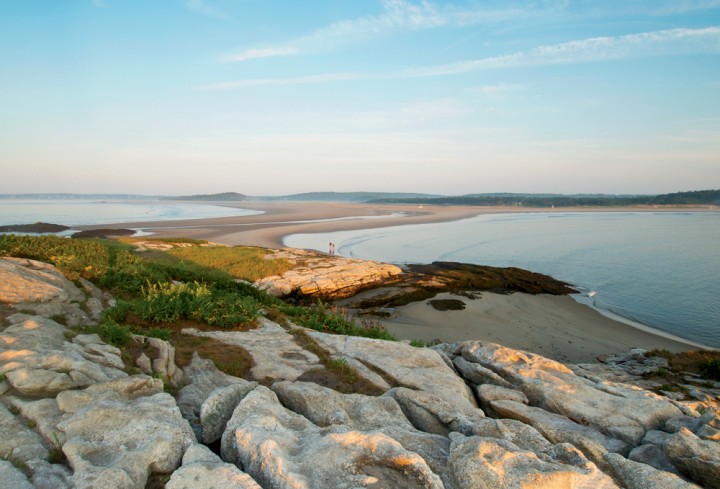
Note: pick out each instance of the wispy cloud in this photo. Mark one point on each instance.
(202, 7)
(259, 53)
(497, 88)
(404, 15)
(396, 15)
(665, 42)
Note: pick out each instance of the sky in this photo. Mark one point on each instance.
(274, 97)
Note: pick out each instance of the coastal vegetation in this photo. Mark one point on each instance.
(699, 197)
(193, 286)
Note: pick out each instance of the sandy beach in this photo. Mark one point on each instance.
(554, 326)
(557, 327)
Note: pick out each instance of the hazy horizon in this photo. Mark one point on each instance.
(277, 97)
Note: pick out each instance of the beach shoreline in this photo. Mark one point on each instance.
(558, 327)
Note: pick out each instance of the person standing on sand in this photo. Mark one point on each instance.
(332, 248)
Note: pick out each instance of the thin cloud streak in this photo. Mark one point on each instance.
(670, 41)
(397, 15)
(259, 53)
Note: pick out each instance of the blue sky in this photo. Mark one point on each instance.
(268, 97)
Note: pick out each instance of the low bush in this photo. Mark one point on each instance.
(114, 333)
(75, 258)
(710, 369)
(334, 321)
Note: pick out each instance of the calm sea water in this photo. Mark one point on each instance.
(658, 269)
(81, 212)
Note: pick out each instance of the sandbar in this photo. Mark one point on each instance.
(280, 219)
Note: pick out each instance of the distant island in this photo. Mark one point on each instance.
(221, 197)
(699, 197)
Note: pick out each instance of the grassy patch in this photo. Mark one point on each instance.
(112, 332)
(232, 359)
(334, 320)
(243, 262)
(335, 373)
(704, 363)
(75, 258)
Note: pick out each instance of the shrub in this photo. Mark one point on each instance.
(335, 321)
(710, 369)
(75, 258)
(113, 333)
(160, 333)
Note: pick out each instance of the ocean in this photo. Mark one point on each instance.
(76, 212)
(659, 269)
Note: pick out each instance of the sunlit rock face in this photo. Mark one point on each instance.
(471, 414)
(326, 277)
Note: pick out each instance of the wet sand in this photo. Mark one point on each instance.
(554, 326)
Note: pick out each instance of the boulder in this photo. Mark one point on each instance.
(489, 463)
(218, 408)
(636, 475)
(524, 436)
(204, 378)
(50, 476)
(328, 277)
(126, 389)
(202, 469)
(44, 414)
(415, 368)
(13, 477)
(615, 410)
(325, 407)
(274, 351)
(119, 443)
(433, 414)
(279, 448)
(37, 361)
(477, 374)
(28, 281)
(17, 441)
(559, 429)
(488, 392)
(654, 456)
(697, 458)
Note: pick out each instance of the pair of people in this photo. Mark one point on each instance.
(332, 248)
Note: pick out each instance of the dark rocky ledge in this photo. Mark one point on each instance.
(38, 227)
(103, 233)
(420, 282)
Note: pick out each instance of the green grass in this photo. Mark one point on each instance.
(321, 318)
(75, 258)
(193, 283)
(243, 262)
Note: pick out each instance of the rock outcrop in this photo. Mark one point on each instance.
(472, 414)
(326, 277)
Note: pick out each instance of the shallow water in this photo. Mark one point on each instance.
(659, 269)
(85, 212)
